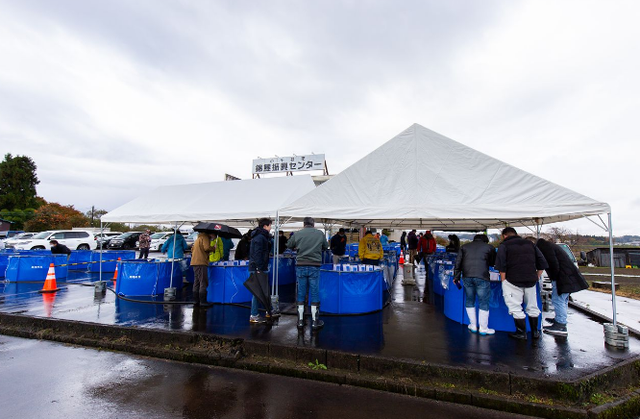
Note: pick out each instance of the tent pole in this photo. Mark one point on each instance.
(175, 231)
(276, 254)
(102, 237)
(613, 278)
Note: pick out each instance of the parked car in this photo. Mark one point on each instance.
(190, 239)
(158, 239)
(17, 238)
(73, 239)
(125, 240)
(104, 238)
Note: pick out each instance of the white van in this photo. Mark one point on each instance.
(73, 239)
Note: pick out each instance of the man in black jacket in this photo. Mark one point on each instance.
(412, 244)
(565, 278)
(338, 246)
(520, 264)
(57, 248)
(473, 261)
(259, 260)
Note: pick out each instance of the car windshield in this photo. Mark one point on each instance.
(125, 235)
(193, 235)
(158, 235)
(42, 235)
(567, 249)
(22, 236)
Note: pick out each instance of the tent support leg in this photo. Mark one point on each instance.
(613, 278)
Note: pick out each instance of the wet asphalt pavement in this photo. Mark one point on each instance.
(410, 327)
(49, 380)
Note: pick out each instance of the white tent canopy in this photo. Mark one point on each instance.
(240, 202)
(425, 180)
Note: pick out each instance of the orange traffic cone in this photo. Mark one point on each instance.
(50, 282)
(48, 299)
(401, 260)
(115, 274)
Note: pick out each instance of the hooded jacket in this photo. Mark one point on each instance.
(474, 260)
(561, 269)
(200, 250)
(259, 250)
(412, 241)
(339, 244)
(370, 248)
(180, 247)
(218, 250)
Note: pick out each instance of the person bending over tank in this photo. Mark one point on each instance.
(59, 249)
(520, 264)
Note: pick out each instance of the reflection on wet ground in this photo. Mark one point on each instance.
(411, 326)
(87, 383)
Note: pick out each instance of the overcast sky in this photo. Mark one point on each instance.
(112, 98)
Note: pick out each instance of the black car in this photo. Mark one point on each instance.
(125, 240)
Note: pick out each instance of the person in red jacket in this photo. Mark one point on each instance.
(426, 245)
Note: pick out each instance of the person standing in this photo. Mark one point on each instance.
(200, 263)
(218, 248)
(403, 242)
(282, 242)
(412, 243)
(426, 246)
(259, 261)
(144, 243)
(370, 249)
(338, 246)
(473, 262)
(310, 243)
(174, 247)
(227, 245)
(565, 278)
(520, 264)
(242, 251)
(384, 239)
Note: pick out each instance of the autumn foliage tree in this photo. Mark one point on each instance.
(54, 216)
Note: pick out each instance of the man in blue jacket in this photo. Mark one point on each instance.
(174, 247)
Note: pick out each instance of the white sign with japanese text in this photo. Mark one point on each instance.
(288, 164)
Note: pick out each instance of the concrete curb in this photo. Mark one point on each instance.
(494, 390)
(607, 319)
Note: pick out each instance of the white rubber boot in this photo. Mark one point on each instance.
(300, 316)
(483, 319)
(471, 312)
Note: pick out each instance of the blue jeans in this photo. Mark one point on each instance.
(479, 287)
(560, 303)
(308, 277)
(254, 306)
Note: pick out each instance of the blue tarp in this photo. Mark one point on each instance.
(78, 260)
(35, 268)
(226, 284)
(146, 278)
(109, 259)
(350, 292)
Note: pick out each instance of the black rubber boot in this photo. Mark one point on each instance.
(533, 323)
(521, 329)
(203, 300)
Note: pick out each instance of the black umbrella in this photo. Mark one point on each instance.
(258, 285)
(222, 230)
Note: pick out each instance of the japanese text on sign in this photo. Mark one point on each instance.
(288, 164)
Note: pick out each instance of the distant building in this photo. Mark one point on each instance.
(5, 226)
(622, 256)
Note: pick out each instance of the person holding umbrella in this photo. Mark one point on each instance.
(259, 262)
(200, 263)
